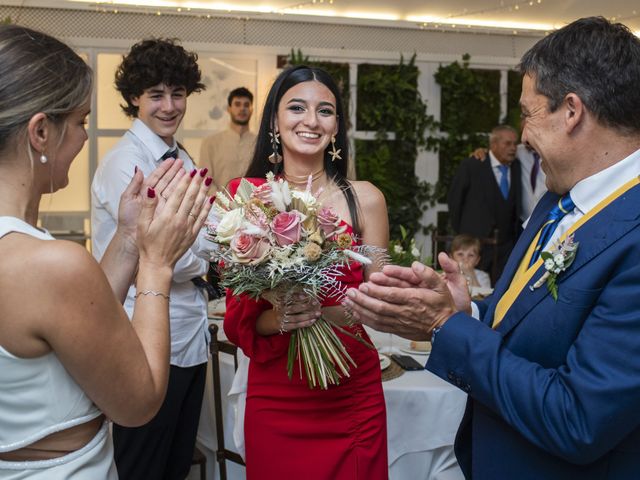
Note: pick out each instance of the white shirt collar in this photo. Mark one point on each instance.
(150, 139)
(587, 193)
(494, 161)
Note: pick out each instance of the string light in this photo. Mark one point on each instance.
(469, 18)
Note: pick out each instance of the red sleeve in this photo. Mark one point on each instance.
(234, 183)
(240, 328)
(243, 312)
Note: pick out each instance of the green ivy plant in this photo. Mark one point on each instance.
(470, 109)
(470, 102)
(389, 101)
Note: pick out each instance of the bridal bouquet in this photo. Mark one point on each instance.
(274, 242)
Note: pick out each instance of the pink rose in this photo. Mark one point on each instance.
(249, 249)
(287, 228)
(263, 193)
(328, 221)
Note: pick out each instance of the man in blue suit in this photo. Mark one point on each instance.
(552, 369)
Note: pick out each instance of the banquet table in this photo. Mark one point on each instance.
(423, 414)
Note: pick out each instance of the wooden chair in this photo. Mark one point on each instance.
(216, 347)
(445, 242)
(200, 460)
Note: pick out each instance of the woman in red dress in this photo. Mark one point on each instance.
(292, 431)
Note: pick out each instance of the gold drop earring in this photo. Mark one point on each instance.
(335, 154)
(275, 157)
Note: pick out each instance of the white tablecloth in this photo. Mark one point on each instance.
(423, 414)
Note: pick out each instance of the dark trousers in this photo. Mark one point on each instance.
(163, 448)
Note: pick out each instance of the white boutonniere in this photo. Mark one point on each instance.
(556, 261)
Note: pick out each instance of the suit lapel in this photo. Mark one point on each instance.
(490, 179)
(595, 236)
(526, 237)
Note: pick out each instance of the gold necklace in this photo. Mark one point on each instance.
(303, 179)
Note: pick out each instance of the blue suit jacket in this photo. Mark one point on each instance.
(554, 392)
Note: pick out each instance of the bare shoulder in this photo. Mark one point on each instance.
(41, 282)
(61, 265)
(64, 258)
(369, 196)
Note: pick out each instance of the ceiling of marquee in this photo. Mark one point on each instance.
(507, 15)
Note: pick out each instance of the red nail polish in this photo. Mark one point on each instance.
(212, 199)
(135, 169)
(208, 181)
(151, 193)
(193, 173)
(203, 172)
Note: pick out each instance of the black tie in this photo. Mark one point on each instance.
(212, 291)
(170, 154)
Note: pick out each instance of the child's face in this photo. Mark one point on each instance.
(467, 257)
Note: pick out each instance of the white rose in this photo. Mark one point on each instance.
(558, 259)
(306, 197)
(415, 252)
(229, 225)
(398, 249)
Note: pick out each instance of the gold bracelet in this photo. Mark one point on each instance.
(154, 293)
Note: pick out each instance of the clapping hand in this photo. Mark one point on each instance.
(409, 302)
(168, 226)
(163, 178)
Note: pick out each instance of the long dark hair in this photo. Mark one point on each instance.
(336, 171)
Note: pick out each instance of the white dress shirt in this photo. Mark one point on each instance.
(587, 193)
(140, 147)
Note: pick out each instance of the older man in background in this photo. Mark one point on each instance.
(485, 198)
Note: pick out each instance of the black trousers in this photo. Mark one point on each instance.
(163, 448)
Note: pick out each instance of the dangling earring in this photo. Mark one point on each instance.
(275, 157)
(333, 152)
(43, 158)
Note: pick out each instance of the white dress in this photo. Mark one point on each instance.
(38, 397)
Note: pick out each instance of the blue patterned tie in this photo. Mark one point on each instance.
(504, 180)
(564, 206)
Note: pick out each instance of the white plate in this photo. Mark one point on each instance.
(385, 362)
(414, 352)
